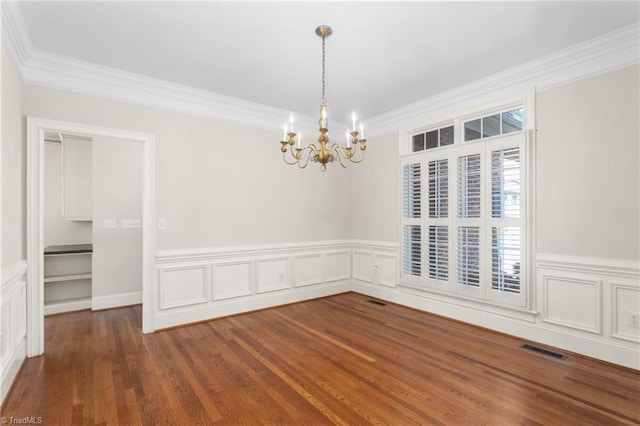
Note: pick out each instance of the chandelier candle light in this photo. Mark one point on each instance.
(324, 151)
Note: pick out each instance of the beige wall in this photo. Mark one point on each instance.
(375, 192)
(217, 183)
(588, 180)
(117, 253)
(13, 167)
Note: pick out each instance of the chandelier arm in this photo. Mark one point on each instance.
(284, 157)
(339, 152)
(337, 147)
(311, 148)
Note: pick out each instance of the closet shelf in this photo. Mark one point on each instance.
(67, 277)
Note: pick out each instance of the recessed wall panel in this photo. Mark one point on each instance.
(272, 274)
(338, 265)
(572, 302)
(232, 279)
(183, 286)
(307, 269)
(363, 265)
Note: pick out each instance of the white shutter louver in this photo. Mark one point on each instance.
(469, 255)
(411, 191)
(412, 250)
(439, 252)
(469, 186)
(438, 188)
(505, 247)
(505, 183)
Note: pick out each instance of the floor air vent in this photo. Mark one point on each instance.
(544, 351)
(376, 302)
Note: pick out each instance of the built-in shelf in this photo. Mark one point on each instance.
(70, 277)
(67, 275)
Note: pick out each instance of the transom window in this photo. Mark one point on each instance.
(493, 125)
(463, 222)
(432, 139)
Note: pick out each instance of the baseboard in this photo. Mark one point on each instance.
(599, 348)
(116, 300)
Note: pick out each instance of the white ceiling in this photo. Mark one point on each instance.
(381, 56)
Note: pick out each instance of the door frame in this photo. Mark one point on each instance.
(36, 128)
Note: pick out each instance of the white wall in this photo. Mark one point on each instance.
(117, 194)
(588, 180)
(58, 230)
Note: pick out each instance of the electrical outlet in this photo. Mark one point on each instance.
(162, 224)
(109, 224)
(130, 223)
(634, 319)
(281, 277)
(375, 270)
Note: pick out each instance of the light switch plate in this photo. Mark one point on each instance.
(130, 223)
(162, 224)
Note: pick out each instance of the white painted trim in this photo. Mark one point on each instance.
(591, 265)
(251, 250)
(13, 285)
(616, 49)
(615, 286)
(596, 328)
(69, 305)
(36, 128)
(11, 369)
(13, 272)
(116, 300)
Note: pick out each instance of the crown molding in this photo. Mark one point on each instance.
(15, 35)
(610, 51)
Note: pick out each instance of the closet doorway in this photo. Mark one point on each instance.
(118, 220)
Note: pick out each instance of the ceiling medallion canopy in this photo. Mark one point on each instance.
(324, 151)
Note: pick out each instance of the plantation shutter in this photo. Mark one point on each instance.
(506, 250)
(412, 230)
(438, 258)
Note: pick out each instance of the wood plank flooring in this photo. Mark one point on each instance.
(337, 360)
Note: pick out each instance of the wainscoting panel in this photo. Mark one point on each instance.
(572, 302)
(241, 279)
(338, 265)
(13, 324)
(232, 279)
(363, 265)
(307, 269)
(386, 268)
(626, 300)
(272, 274)
(183, 285)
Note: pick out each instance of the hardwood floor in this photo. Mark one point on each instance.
(339, 360)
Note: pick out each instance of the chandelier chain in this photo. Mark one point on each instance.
(324, 100)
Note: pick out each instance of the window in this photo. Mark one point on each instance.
(494, 125)
(470, 240)
(432, 139)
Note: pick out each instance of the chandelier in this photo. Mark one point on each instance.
(324, 151)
